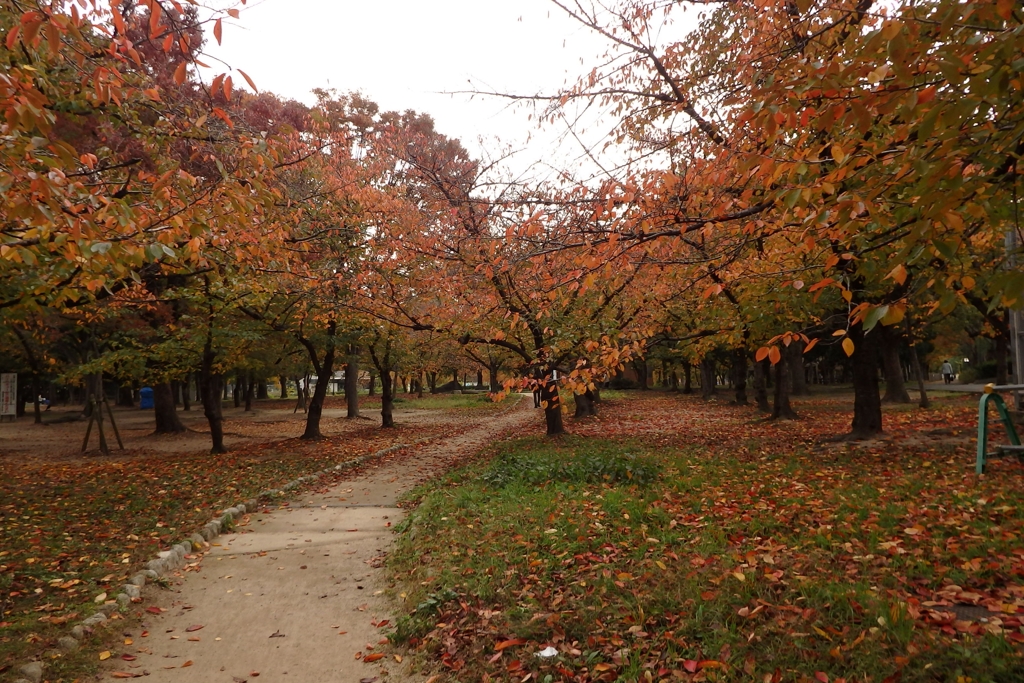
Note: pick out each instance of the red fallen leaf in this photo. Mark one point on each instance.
(188, 663)
(193, 627)
(302, 567)
(254, 674)
(690, 665)
(129, 658)
(373, 658)
(154, 610)
(509, 643)
(821, 676)
(382, 624)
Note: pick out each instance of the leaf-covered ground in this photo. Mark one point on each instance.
(670, 539)
(73, 529)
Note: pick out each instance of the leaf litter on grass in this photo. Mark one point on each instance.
(761, 551)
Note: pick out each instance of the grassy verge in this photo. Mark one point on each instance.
(643, 558)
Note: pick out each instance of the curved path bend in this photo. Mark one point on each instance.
(296, 593)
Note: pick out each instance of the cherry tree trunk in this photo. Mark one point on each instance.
(492, 376)
(687, 388)
(585, 404)
(316, 404)
(739, 375)
(352, 385)
(895, 388)
(708, 381)
(387, 400)
(782, 410)
(167, 420)
(250, 389)
(797, 372)
(212, 386)
(867, 405)
(761, 386)
(552, 408)
(284, 386)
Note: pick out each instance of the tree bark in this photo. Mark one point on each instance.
(261, 388)
(895, 389)
(250, 389)
(373, 385)
(867, 405)
(387, 399)
(492, 377)
(586, 405)
(739, 375)
(125, 396)
(212, 387)
(167, 420)
(708, 381)
(552, 404)
(761, 386)
(284, 386)
(352, 384)
(782, 410)
(640, 368)
(797, 373)
(175, 392)
(915, 363)
(238, 390)
(687, 388)
(186, 392)
(324, 371)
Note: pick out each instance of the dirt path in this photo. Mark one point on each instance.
(296, 593)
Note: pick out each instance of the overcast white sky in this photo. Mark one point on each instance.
(405, 54)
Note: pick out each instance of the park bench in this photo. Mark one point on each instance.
(991, 395)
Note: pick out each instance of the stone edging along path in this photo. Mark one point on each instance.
(168, 560)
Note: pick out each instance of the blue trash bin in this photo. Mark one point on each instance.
(146, 398)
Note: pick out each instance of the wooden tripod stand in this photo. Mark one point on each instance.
(96, 416)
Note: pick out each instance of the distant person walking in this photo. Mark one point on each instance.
(947, 372)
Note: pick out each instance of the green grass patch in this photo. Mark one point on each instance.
(651, 562)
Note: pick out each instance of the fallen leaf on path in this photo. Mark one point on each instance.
(188, 663)
(277, 634)
(154, 610)
(193, 627)
(373, 658)
(105, 655)
(124, 674)
(129, 658)
(254, 674)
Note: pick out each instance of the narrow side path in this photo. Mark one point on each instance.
(294, 595)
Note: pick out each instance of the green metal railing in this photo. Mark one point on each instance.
(990, 395)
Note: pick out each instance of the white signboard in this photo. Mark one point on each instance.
(8, 393)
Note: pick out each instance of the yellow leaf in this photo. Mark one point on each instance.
(838, 154)
(899, 274)
(967, 281)
(839, 333)
(661, 565)
(848, 346)
(105, 655)
(894, 315)
(740, 576)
